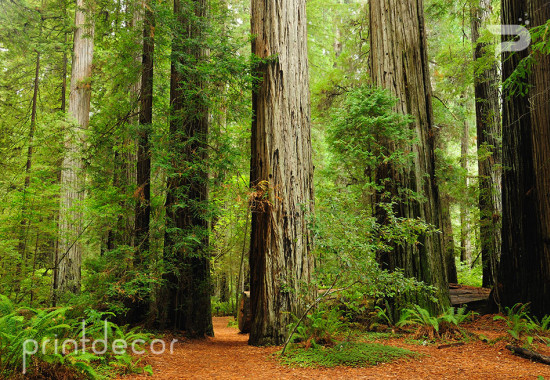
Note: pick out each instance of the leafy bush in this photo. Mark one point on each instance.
(346, 354)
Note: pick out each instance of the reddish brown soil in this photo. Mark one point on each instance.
(227, 356)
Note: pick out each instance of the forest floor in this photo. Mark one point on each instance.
(227, 356)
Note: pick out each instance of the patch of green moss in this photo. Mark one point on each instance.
(348, 354)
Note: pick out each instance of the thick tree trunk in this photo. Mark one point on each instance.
(399, 63)
(186, 297)
(72, 178)
(143, 193)
(489, 149)
(138, 161)
(524, 274)
(281, 171)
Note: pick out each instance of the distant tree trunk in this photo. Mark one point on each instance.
(447, 229)
(399, 63)
(486, 84)
(281, 171)
(72, 178)
(143, 193)
(25, 223)
(446, 223)
(465, 243)
(524, 274)
(186, 296)
(63, 109)
(64, 76)
(224, 288)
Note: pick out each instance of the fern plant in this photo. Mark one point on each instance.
(517, 319)
(23, 326)
(435, 327)
(418, 316)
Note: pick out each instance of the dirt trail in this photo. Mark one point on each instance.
(227, 356)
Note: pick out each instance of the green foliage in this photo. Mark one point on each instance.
(348, 235)
(517, 319)
(543, 324)
(45, 327)
(384, 316)
(523, 326)
(344, 354)
(445, 325)
(468, 275)
(419, 317)
(320, 327)
(221, 309)
(233, 322)
(360, 128)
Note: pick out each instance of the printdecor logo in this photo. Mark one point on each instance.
(520, 43)
(97, 347)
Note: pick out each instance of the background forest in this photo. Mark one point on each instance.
(125, 171)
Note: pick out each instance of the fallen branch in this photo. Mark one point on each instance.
(529, 354)
(450, 345)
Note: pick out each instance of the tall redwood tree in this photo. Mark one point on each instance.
(399, 63)
(524, 274)
(281, 171)
(184, 302)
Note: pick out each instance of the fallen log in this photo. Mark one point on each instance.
(245, 316)
(529, 354)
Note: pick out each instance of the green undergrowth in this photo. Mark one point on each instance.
(349, 354)
(35, 341)
(233, 322)
(376, 335)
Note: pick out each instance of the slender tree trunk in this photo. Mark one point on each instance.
(28, 165)
(465, 242)
(489, 149)
(143, 193)
(25, 223)
(186, 296)
(524, 274)
(72, 177)
(446, 223)
(64, 76)
(447, 229)
(281, 171)
(63, 108)
(399, 63)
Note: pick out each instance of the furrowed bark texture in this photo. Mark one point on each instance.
(281, 169)
(399, 63)
(72, 178)
(489, 147)
(524, 274)
(143, 193)
(185, 300)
